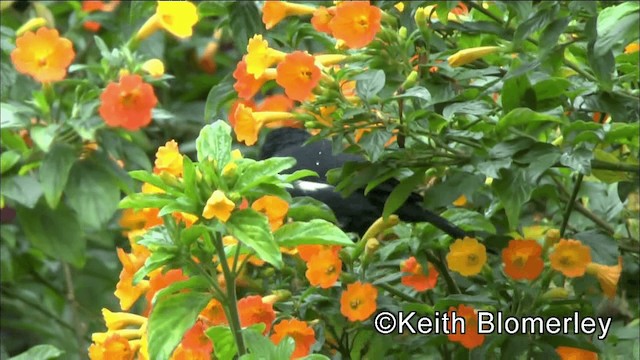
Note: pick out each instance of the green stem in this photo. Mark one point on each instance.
(570, 204)
(232, 300)
(391, 290)
(444, 271)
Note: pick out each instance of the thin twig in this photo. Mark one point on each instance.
(570, 204)
(71, 298)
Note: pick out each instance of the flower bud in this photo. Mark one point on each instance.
(31, 25)
(466, 56)
(556, 294)
(402, 32)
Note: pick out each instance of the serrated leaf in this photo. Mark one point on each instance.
(214, 142)
(368, 84)
(314, 232)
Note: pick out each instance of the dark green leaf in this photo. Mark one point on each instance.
(514, 190)
(401, 193)
(517, 92)
(469, 220)
(54, 171)
(314, 232)
(8, 159)
(368, 84)
(54, 231)
(307, 208)
(614, 24)
(579, 159)
(251, 228)
(40, 352)
(535, 23)
(212, 8)
(92, 193)
(524, 116)
(25, 189)
(416, 92)
(245, 20)
(218, 96)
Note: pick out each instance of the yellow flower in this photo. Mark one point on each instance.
(176, 17)
(467, 56)
(399, 6)
(121, 320)
(218, 206)
(32, 24)
(260, 56)
(467, 256)
(154, 67)
(460, 201)
(631, 48)
(169, 159)
(275, 11)
(570, 257)
(608, 276)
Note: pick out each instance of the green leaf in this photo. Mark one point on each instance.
(262, 348)
(551, 34)
(40, 352)
(171, 317)
(155, 180)
(92, 193)
(314, 232)
(609, 176)
(307, 208)
(54, 231)
(224, 344)
(416, 92)
(614, 24)
(369, 83)
(262, 171)
(212, 8)
(54, 171)
(143, 201)
(469, 220)
(218, 96)
(401, 193)
(299, 174)
(8, 159)
(252, 229)
(23, 189)
(43, 136)
(214, 142)
(245, 20)
(522, 116)
(578, 159)
(517, 92)
(514, 190)
(534, 23)
(373, 143)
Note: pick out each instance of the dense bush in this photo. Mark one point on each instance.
(130, 167)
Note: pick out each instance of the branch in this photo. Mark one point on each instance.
(570, 204)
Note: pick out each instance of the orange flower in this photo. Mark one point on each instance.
(43, 55)
(306, 252)
(608, 276)
(324, 268)
(278, 102)
(132, 219)
(321, 19)
(571, 353)
(128, 104)
(418, 279)
(176, 17)
(260, 56)
(246, 84)
(570, 257)
(218, 206)
(126, 292)
(523, 259)
(248, 123)
(470, 339)
(114, 347)
(302, 334)
(91, 6)
(169, 159)
(275, 11)
(159, 280)
(232, 110)
(358, 302)
(275, 208)
(460, 201)
(467, 256)
(195, 344)
(356, 23)
(214, 314)
(253, 311)
(298, 75)
(186, 218)
(632, 48)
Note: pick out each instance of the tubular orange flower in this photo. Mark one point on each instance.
(466, 256)
(43, 55)
(470, 339)
(467, 56)
(306, 252)
(126, 292)
(275, 11)
(632, 48)
(298, 75)
(213, 313)
(232, 110)
(278, 102)
(274, 207)
(128, 103)
(132, 220)
(186, 218)
(260, 56)
(356, 23)
(358, 302)
(570, 257)
(321, 19)
(218, 206)
(253, 311)
(169, 159)
(608, 276)
(324, 268)
(302, 334)
(418, 279)
(176, 17)
(248, 123)
(114, 347)
(246, 84)
(523, 259)
(159, 280)
(571, 353)
(195, 344)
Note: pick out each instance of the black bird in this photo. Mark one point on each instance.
(357, 211)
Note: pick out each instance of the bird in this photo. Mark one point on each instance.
(356, 212)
